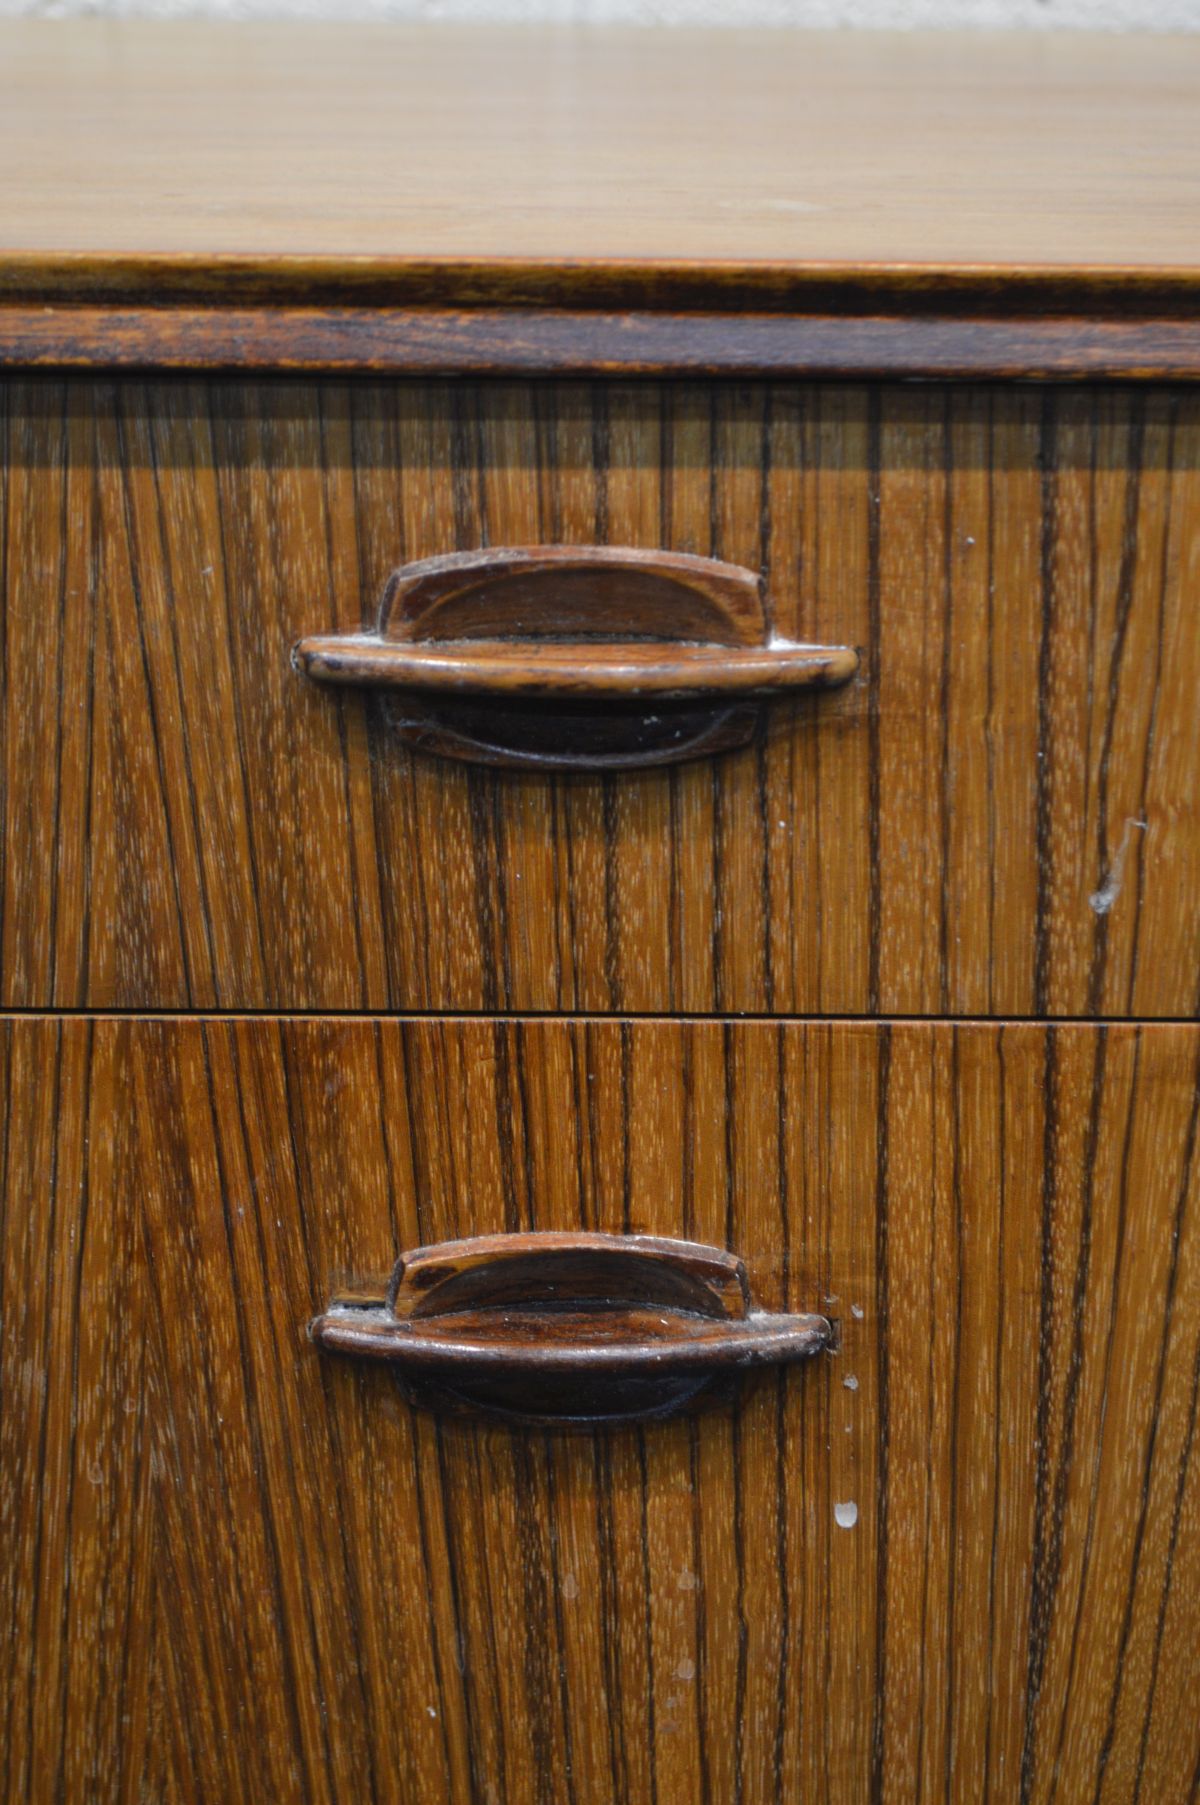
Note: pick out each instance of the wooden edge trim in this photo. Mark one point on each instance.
(555, 342)
(703, 285)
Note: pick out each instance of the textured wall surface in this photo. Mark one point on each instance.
(1100, 15)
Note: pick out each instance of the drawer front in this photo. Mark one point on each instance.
(958, 1558)
(999, 816)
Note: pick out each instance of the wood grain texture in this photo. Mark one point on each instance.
(796, 149)
(958, 831)
(923, 338)
(232, 1569)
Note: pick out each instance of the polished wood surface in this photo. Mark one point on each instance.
(605, 202)
(958, 1559)
(920, 337)
(334, 144)
(1000, 815)
(954, 1553)
(625, 670)
(560, 591)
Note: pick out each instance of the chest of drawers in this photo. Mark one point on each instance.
(893, 994)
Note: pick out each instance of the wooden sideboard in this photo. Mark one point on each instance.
(762, 826)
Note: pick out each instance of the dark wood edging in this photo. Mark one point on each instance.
(609, 285)
(554, 341)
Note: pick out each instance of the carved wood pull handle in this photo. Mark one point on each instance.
(574, 657)
(562, 1329)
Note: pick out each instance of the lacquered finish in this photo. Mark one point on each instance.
(187, 822)
(563, 591)
(455, 164)
(591, 1344)
(616, 672)
(764, 202)
(1145, 335)
(960, 1558)
(955, 1556)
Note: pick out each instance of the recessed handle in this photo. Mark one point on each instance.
(566, 1328)
(574, 657)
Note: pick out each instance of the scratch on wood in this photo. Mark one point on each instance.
(1102, 900)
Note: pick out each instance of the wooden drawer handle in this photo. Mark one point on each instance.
(566, 1328)
(574, 658)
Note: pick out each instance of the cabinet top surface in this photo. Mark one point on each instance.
(504, 149)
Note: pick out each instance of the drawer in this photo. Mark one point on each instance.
(998, 816)
(958, 1556)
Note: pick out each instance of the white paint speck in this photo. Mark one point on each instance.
(431, 1710)
(857, 1311)
(686, 1670)
(850, 1382)
(687, 1581)
(846, 1515)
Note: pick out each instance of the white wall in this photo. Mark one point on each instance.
(1103, 15)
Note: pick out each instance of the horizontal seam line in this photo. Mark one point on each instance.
(23, 1013)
